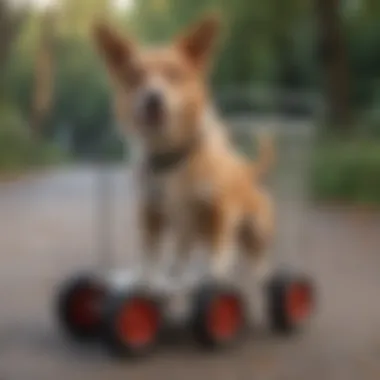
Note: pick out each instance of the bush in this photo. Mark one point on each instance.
(18, 149)
(348, 172)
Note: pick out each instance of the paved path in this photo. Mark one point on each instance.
(48, 228)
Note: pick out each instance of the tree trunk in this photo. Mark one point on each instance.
(9, 23)
(334, 64)
(286, 76)
(42, 96)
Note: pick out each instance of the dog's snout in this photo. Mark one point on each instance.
(151, 111)
(153, 102)
(153, 108)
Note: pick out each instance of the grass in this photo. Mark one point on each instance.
(20, 152)
(347, 171)
(342, 171)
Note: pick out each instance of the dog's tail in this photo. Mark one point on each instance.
(266, 155)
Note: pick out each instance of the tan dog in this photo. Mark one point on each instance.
(191, 178)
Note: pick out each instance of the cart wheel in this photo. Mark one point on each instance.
(219, 316)
(131, 324)
(79, 306)
(291, 302)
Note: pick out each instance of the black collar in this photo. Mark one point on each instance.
(166, 161)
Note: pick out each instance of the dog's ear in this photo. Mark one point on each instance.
(199, 42)
(115, 49)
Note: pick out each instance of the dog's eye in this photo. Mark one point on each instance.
(174, 74)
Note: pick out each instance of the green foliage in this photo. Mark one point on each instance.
(77, 16)
(264, 42)
(19, 151)
(364, 55)
(82, 95)
(253, 32)
(347, 171)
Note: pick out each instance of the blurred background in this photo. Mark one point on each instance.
(311, 68)
(295, 57)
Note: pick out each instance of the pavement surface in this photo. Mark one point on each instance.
(51, 225)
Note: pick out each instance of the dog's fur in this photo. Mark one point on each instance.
(212, 195)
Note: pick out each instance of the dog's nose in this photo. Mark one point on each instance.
(153, 101)
(154, 106)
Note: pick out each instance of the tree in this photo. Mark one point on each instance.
(77, 17)
(334, 64)
(10, 21)
(42, 96)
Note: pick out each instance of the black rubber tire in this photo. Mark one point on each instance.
(202, 301)
(278, 288)
(64, 303)
(112, 338)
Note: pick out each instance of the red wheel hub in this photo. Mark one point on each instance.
(138, 322)
(299, 302)
(224, 317)
(83, 309)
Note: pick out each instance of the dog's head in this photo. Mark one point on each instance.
(161, 91)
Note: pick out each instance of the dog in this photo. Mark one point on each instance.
(191, 179)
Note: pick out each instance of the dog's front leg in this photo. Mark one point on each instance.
(221, 243)
(151, 224)
(183, 239)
